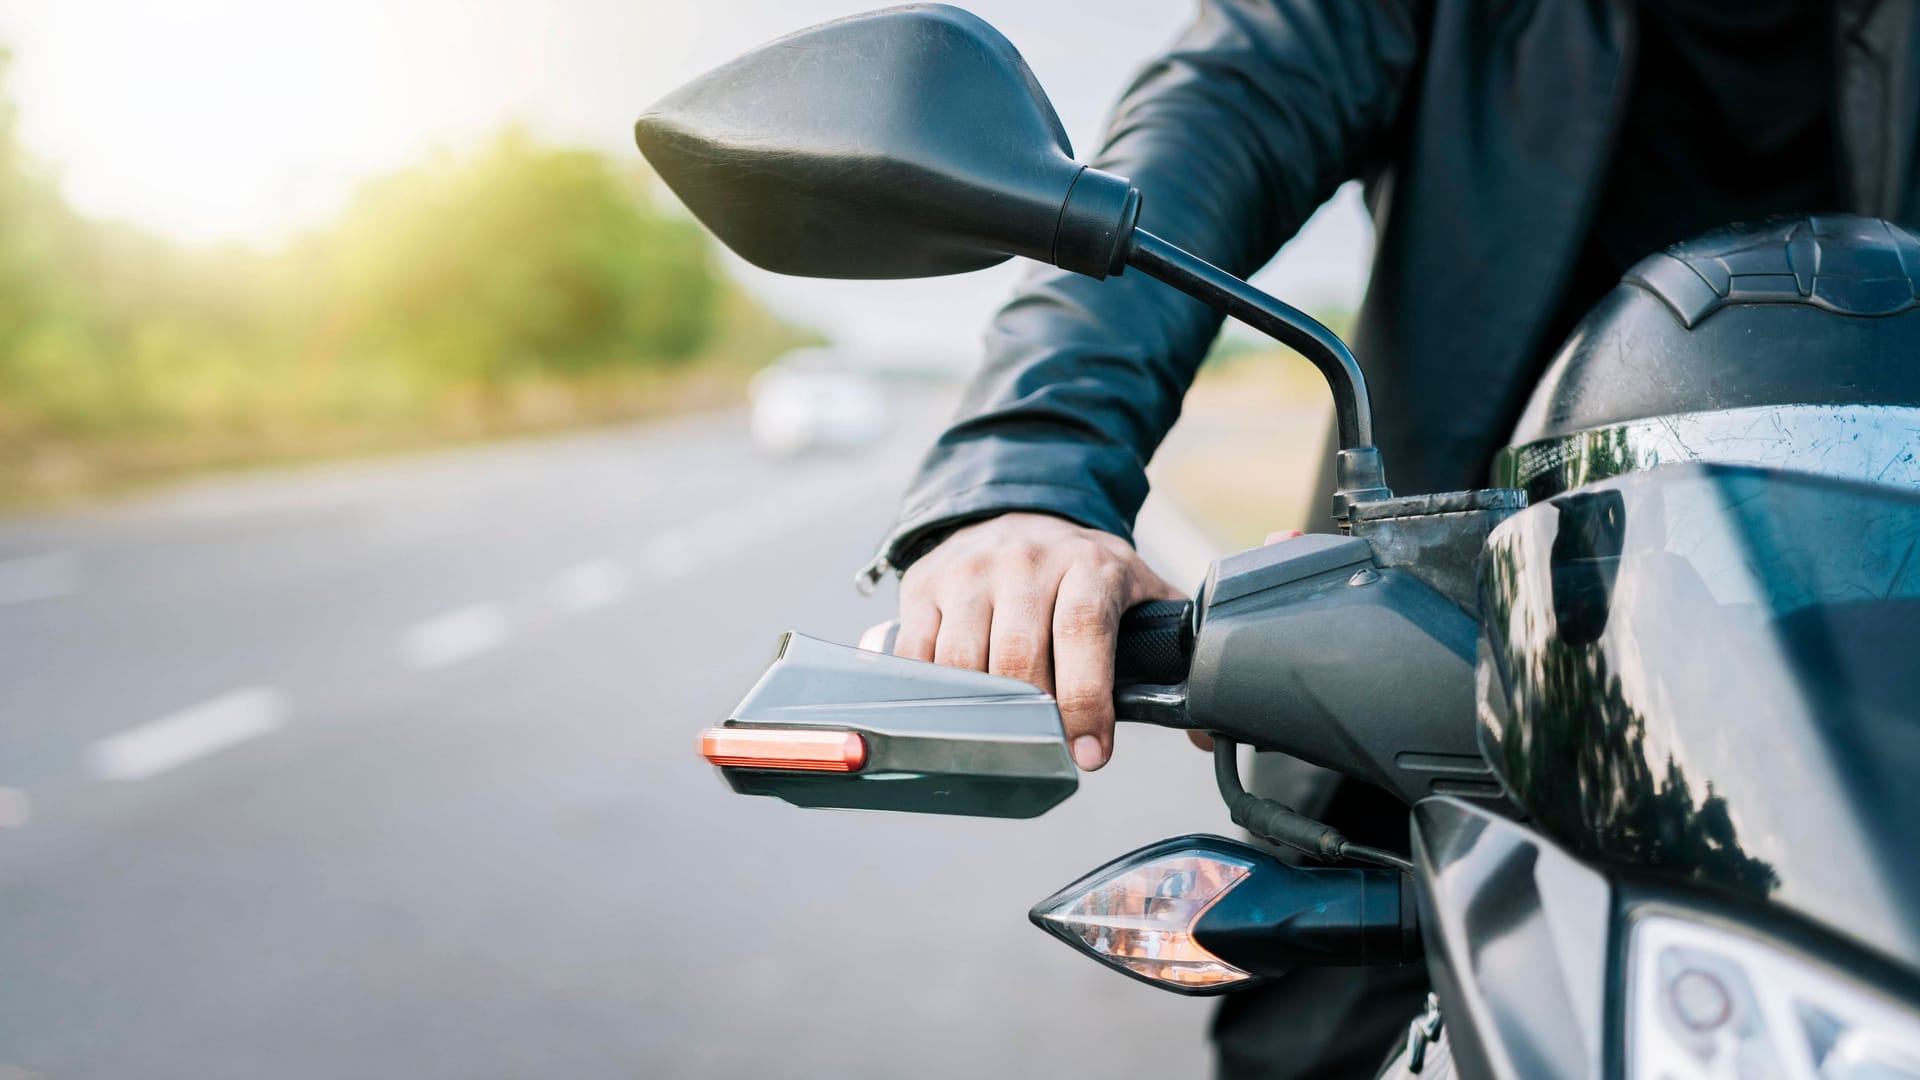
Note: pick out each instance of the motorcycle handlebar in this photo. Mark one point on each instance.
(1154, 648)
(1155, 643)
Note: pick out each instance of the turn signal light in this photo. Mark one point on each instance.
(792, 749)
(1137, 915)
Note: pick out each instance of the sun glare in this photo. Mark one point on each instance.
(215, 119)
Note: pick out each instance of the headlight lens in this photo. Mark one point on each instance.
(1708, 1003)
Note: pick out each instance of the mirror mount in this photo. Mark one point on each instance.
(1099, 225)
(1360, 476)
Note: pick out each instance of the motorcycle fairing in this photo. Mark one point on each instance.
(1708, 673)
(1517, 938)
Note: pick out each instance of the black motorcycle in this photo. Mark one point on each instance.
(1654, 702)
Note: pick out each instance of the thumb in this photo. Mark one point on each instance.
(879, 637)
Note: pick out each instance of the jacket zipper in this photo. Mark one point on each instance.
(868, 579)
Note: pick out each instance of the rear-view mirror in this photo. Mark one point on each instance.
(909, 142)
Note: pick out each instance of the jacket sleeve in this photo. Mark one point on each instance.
(1258, 113)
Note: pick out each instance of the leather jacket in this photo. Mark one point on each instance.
(1482, 130)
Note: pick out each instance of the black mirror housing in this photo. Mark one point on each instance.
(908, 142)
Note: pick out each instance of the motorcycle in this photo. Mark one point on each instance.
(1652, 702)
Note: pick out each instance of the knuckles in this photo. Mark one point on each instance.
(1015, 558)
(1026, 555)
(961, 652)
(1018, 649)
(1084, 702)
(1079, 619)
(1019, 564)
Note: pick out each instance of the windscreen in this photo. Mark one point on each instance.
(1710, 672)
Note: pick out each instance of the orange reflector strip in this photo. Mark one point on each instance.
(777, 748)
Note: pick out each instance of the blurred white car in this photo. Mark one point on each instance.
(810, 399)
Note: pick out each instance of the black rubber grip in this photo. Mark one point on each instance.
(1156, 640)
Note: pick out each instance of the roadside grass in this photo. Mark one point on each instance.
(50, 470)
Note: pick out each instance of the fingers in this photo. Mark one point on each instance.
(1201, 740)
(1283, 534)
(1020, 644)
(879, 636)
(1086, 618)
(919, 628)
(1035, 598)
(965, 619)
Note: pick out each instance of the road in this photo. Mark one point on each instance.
(387, 770)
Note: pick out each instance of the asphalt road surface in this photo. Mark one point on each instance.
(388, 770)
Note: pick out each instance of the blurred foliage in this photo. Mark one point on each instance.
(1244, 460)
(1238, 343)
(520, 287)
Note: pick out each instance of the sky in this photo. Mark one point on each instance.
(247, 120)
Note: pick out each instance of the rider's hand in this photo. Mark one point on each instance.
(1036, 598)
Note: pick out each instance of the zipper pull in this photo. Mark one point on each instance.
(868, 579)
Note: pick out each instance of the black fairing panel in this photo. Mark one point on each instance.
(1517, 935)
(1709, 672)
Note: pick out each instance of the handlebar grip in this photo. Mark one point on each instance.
(1155, 644)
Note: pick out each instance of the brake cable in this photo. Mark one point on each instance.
(1279, 823)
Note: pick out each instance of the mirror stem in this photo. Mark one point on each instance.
(1359, 475)
(1284, 323)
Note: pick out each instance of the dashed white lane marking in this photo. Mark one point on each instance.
(192, 733)
(460, 634)
(679, 552)
(704, 542)
(589, 586)
(671, 554)
(38, 577)
(15, 808)
(597, 583)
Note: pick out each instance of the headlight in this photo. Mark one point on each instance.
(1708, 1003)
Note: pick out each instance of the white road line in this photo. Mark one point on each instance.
(38, 577)
(458, 635)
(589, 586)
(717, 537)
(467, 632)
(16, 809)
(671, 554)
(192, 733)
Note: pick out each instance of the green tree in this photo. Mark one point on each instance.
(460, 284)
(524, 259)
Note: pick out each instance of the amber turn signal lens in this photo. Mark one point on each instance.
(779, 748)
